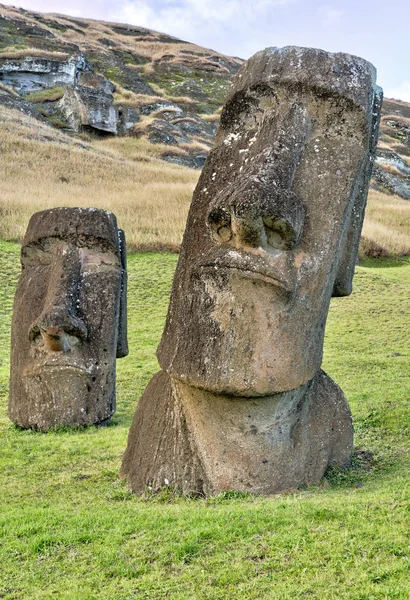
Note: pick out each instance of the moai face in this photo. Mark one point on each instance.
(274, 224)
(69, 319)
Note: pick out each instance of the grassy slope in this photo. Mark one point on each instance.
(43, 168)
(72, 531)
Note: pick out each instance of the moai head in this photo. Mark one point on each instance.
(274, 225)
(69, 319)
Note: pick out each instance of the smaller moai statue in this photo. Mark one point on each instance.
(69, 319)
(241, 402)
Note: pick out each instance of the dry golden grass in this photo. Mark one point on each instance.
(43, 168)
(393, 170)
(177, 99)
(196, 146)
(381, 145)
(128, 98)
(214, 118)
(9, 90)
(396, 120)
(386, 229)
(35, 52)
(136, 149)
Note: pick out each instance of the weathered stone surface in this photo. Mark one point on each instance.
(91, 106)
(205, 444)
(194, 161)
(35, 73)
(22, 105)
(272, 233)
(392, 173)
(69, 319)
(264, 245)
(127, 118)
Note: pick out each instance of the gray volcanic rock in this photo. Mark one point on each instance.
(272, 233)
(68, 320)
(20, 104)
(397, 179)
(32, 73)
(90, 104)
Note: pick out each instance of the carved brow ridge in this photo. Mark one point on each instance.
(81, 241)
(270, 88)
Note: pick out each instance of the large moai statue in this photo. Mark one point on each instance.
(69, 319)
(272, 233)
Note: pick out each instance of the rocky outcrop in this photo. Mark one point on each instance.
(392, 169)
(392, 173)
(31, 73)
(142, 64)
(15, 101)
(158, 70)
(90, 104)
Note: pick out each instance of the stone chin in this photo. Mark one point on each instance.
(66, 396)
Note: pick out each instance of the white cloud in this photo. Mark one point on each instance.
(187, 18)
(401, 92)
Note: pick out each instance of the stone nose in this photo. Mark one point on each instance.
(59, 328)
(236, 219)
(257, 218)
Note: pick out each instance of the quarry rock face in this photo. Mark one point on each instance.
(90, 104)
(69, 320)
(272, 234)
(397, 180)
(32, 73)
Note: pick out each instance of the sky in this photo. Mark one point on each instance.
(377, 30)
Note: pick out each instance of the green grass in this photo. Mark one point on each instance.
(46, 95)
(71, 530)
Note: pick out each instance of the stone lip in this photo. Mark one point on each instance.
(254, 266)
(60, 362)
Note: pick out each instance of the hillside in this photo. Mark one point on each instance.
(148, 84)
(131, 98)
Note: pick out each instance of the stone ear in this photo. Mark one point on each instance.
(122, 343)
(350, 247)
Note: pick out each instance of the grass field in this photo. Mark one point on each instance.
(71, 530)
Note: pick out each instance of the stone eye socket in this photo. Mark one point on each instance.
(35, 337)
(279, 233)
(220, 223)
